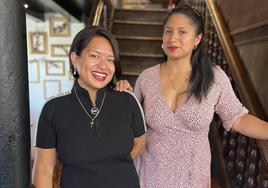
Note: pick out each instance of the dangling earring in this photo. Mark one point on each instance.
(162, 46)
(75, 73)
(194, 48)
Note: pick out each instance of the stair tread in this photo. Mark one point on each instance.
(132, 72)
(137, 22)
(141, 55)
(138, 37)
(143, 9)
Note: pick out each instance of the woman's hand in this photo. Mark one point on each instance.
(123, 85)
(138, 146)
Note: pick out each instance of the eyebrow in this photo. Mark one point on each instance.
(168, 27)
(98, 52)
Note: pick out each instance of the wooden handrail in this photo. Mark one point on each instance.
(244, 85)
(97, 12)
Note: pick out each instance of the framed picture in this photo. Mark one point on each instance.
(55, 68)
(33, 72)
(70, 76)
(59, 26)
(60, 50)
(38, 42)
(51, 88)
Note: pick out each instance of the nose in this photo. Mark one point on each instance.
(102, 63)
(174, 36)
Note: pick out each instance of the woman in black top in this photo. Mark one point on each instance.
(94, 131)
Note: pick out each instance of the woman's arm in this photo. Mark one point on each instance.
(251, 126)
(138, 146)
(43, 168)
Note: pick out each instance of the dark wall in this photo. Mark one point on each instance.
(248, 25)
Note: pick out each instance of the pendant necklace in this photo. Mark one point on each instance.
(94, 110)
(173, 83)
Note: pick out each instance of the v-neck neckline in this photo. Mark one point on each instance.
(163, 99)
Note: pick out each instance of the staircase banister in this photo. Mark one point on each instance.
(96, 12)
(244, 85)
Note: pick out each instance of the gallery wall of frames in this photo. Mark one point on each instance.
(48, 43)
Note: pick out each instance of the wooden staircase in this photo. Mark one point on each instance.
(139, 34)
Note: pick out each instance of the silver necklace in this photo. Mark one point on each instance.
(94, 110)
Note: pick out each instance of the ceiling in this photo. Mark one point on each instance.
(77, 9)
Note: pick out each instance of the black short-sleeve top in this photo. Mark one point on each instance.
(97, 156)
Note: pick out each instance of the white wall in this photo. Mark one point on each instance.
(37, 87)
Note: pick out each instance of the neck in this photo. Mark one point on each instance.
(179, 66)
(91, 91)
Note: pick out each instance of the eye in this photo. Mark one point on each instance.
(94, 56)
(110, 60)
(181, 32)
(168, 32)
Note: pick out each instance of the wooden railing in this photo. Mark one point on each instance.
(244, 86)
(247, 94)
(101, 14)
(246, 159)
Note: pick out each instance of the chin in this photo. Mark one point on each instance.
(102, 85)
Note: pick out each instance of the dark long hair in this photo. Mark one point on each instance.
(202, 76)
(83, 38)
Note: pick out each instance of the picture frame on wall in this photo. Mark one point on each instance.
(51, 88)
(33, 71)
(59, 27)
(38, 42)
(55, 68)
(70, 76)
(60, 50)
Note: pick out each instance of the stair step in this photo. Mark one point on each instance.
(147, 15)
(140, 46)
(138, 64)
(142, 55)
(131, 72)
(136, 22)
(148, 38)
(137, 29)
(139, 35)
(137, 9)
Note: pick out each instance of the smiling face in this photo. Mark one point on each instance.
(95, 65)
(179, 37)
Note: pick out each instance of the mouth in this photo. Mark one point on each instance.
(99, 75)
(172, 48)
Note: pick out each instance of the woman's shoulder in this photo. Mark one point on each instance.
(219, 74)
(122, 96)
(59, 99)
(125, 99)
(56, 104)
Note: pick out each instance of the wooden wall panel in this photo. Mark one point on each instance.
(255, 57)
(243, 12)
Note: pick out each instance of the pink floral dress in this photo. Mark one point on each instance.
(177, 152)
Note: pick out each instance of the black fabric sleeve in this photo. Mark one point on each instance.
(46, 134)
(138, 121)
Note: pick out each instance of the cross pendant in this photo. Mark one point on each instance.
(91, 124)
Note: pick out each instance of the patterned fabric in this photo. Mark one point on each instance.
(177, 153)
